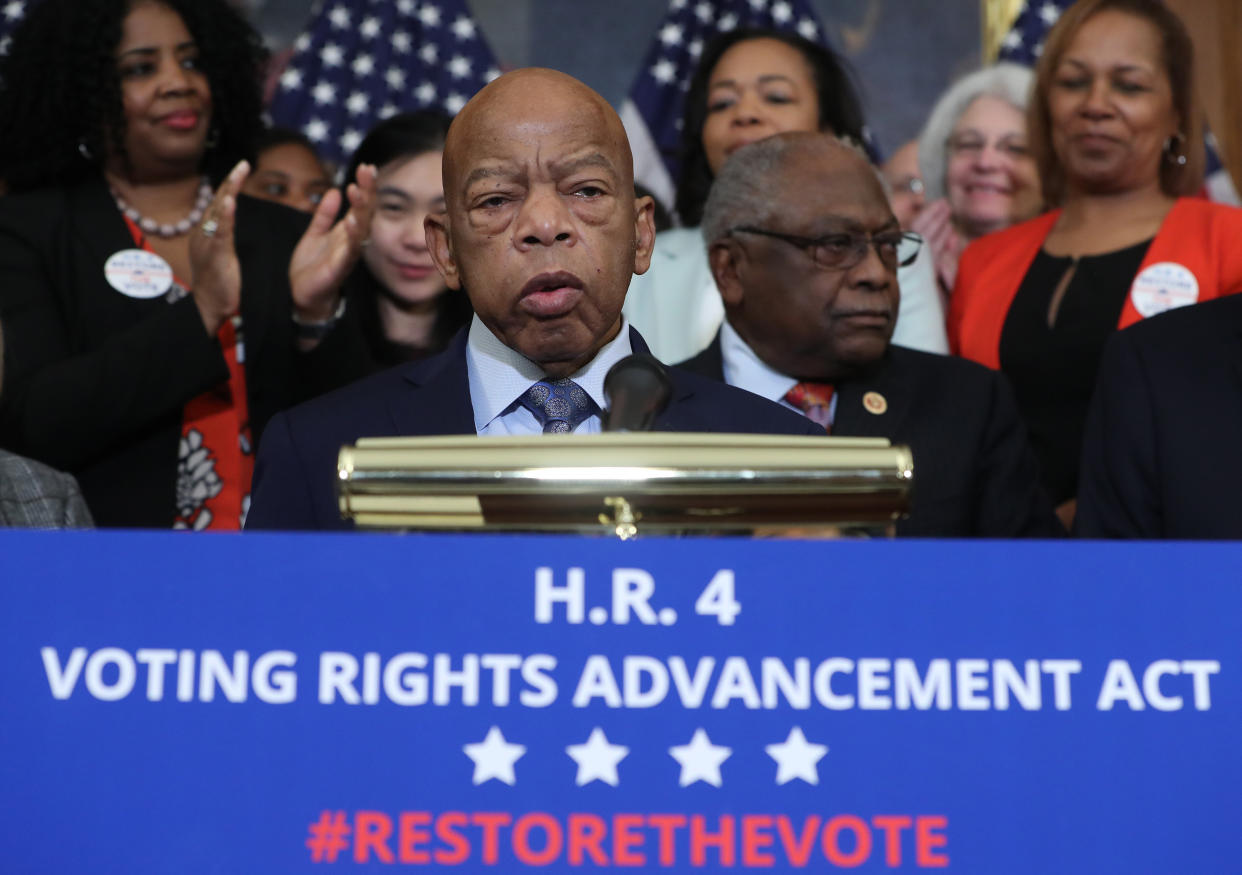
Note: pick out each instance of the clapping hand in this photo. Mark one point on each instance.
(329, 248)
(215, 274)
(935, 223)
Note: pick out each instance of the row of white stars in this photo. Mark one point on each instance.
(597, 758)
(704, 9)
(671, 35)
(429, 15)
(1013, 40)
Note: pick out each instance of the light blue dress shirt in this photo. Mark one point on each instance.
(499, 375)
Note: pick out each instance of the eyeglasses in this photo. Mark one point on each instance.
(844, 251)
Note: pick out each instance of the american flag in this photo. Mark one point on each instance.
(11, 12)
(360, 61)
(1023, 45)
(652, 112)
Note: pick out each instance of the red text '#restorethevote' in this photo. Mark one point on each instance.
(496, 838)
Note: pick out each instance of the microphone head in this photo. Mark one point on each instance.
(638, 389)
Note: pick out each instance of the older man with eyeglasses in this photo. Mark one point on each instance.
(805, 249)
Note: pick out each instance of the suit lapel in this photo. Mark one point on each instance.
(438, 400)
(98, 232)
(855, 416)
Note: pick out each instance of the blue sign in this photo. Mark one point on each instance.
(307, 703)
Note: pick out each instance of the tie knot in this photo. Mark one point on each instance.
(559, 405)
(814, 400)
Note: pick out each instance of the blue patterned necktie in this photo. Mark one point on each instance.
(559, 405)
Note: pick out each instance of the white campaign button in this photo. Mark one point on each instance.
(1163, 286)
(138, 273)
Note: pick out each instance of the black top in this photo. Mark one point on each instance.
(364, 291)
(1052, 368)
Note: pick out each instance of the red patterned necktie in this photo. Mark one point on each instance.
(815, 402)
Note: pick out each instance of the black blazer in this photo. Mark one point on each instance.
(95, 382)
(294, 484)
(974, 471)
(1160, 458)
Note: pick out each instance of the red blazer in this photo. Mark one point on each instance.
(1204, 237)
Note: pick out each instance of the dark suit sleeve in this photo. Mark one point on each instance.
(281, 497)
(1011, 503)
(71, 394)
(1117, 496)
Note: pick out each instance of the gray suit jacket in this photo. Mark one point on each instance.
(32, 495)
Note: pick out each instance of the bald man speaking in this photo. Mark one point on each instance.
(543, 233)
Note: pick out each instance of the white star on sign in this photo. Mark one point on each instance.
(728, 21)
(358, 103)
(459, 67)
(1012, 40)
(405, 7)
(14, 10)
(1049, 13)
(370, 27)
(429, 53)
(796, 758)
(597, 759)
(425, 92)
(494, 757)
(704, 12)
(463, 28)
(700, 760)
(453, 104)
(781, 12)
(808, 29)
(395, 78)
(302, 43)
(401, 42)
(363, 65)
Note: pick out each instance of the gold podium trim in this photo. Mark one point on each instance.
(658, 482)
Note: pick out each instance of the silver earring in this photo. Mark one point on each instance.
(1172, 143)
(85, 151)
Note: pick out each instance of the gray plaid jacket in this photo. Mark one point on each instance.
(32, 495)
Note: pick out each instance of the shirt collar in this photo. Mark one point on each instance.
(498, 375)
(744, 369)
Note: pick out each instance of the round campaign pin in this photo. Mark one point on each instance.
(875, 403)
(137, 273)
(1163, 286)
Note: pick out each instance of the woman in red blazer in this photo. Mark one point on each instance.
(1117, 135)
